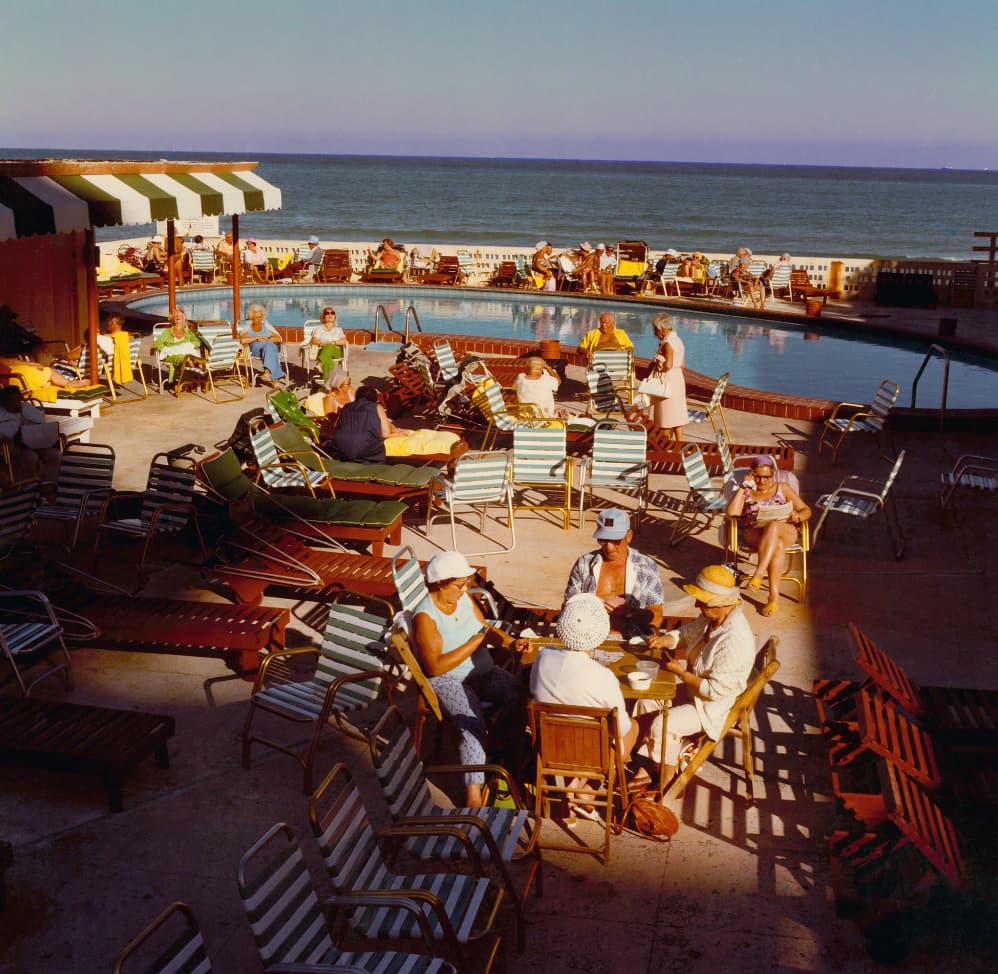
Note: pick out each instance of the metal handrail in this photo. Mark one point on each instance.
(411, 311)
(379, 313)
(914, 386)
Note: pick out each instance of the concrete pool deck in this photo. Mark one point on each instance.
(741, 884)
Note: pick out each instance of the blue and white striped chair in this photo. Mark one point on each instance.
(290, 926)
(167, 508)
(780, 281)
(350, 676)
(541, 463)
(855, 500)
(855, 417)
(713, 410)
(184, 951)
(479, 479)
(447, 370)
(668, 277)
(456, 910)
(704, 499)
(618, 461)
(282, 474)
(499, 835)
(30, 633)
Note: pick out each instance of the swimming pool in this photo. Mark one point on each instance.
(818, 360)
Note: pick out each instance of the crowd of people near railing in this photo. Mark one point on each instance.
(627, 267)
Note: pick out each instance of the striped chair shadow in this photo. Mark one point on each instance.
(455, 909)
(350, 678)
(500, 836)
(289, 924)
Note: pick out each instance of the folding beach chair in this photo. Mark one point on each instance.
(704, 499)
(86, 472)
(221, 365)
(172, 943)
(541, 464)
(30, 633)
(618, 461)
(714, 410)
(282, 472)
(854, 417)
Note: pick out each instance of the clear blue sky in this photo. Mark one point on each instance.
(852, 82)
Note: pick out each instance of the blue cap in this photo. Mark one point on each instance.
(612, 524)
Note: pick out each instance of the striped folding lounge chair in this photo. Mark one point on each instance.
(618, 461)
(350, 677)
(282, 473)
(447, 370)
(17, 511)
(861, 497)
(976, 472)
(704, 500)
(500, 416)
(668, 277)
(458, 909)
(290, 926)
(203, 267)
(499, 835)
(167, 509)
(221, 365)
(713, 410)
(172, 943)
(854, 417)
(85, 480)
(541, 463)
(603, 395)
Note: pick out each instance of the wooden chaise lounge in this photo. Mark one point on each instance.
(336, 268)
(89, 740)
(447, 272)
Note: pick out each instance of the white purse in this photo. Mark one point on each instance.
(655, 386)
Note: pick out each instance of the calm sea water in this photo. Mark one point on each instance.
(819, 361)
(814, 211)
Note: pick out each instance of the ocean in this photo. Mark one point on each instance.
(804, 210)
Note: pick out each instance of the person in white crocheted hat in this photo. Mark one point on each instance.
(569, 675)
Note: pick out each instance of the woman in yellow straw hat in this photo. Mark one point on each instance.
(712, 660)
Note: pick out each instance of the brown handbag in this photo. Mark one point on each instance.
(652, 820)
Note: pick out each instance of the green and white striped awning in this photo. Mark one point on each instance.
(31, 205)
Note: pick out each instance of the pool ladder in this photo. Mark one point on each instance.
(914, 386)
(380, 314)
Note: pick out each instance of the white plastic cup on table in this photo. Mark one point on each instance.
(648, 666)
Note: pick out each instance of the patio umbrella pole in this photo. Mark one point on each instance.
(93, 312)
(171, 278)
(236, 268)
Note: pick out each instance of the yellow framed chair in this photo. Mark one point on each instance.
(541, 464)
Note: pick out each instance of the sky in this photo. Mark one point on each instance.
(836, 82)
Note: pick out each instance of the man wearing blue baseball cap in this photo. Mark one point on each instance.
(627, 581)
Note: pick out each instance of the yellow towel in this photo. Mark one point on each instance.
(421, 443)
(122, 371)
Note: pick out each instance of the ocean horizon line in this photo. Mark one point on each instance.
(529, 160)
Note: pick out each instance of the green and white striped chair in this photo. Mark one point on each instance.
(30, 633)
(167, 508)
(447, 370)
(85, 479)
(282, 474)
(458, 909)
(350, 677)
(862, 497)
(203, 267)
(541, 463)
(222, 364)
(500, 416)
(704, 500)
(854, 417)
(290, 926)
(618, 461)
(620, 364)
(479, 479)
(499, 835)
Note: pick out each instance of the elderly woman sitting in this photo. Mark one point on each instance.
(770, 513)
(537, 387)
(450, 636)
(712, 660)
(175, 344)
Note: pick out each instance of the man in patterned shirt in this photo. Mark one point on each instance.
(627, 581)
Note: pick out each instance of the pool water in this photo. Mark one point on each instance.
(818, 360)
